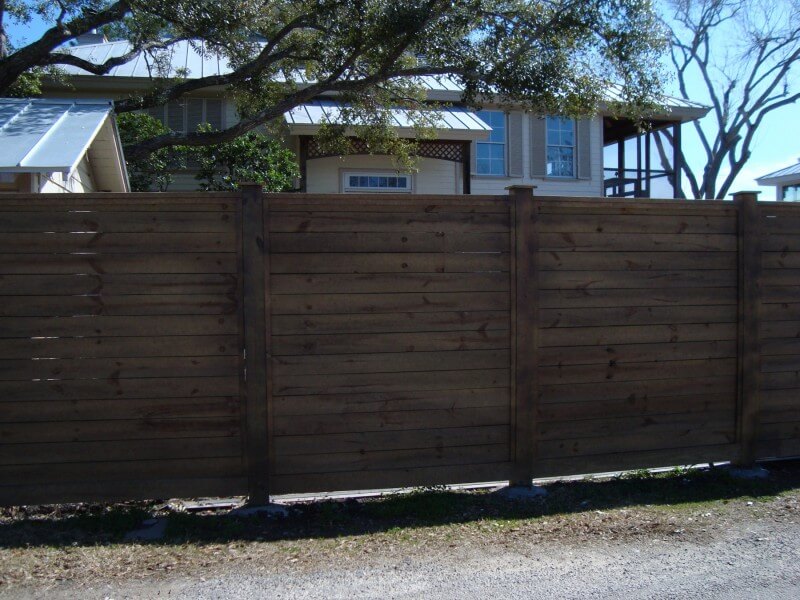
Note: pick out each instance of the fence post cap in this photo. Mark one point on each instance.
(745, 193)
(521, 187)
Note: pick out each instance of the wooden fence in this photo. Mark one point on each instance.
(222, 344)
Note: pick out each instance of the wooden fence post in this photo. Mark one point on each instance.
(255, 302)
(525, 328)
(749, 255)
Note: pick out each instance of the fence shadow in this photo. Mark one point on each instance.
(71, 525)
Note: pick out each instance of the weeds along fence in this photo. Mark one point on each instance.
(167, 345)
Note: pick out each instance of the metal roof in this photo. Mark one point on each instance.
(792, 172)
(48, 135)
(452, 119)
(191, 58)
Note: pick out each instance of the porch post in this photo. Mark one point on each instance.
(465, 166)
(676, 161)
(303, 162)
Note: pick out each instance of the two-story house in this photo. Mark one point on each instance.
(479, 152)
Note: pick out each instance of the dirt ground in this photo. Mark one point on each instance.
(680, 534)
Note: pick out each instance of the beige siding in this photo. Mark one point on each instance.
(434, 176)
(550, 186)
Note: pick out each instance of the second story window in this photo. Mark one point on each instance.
(491, 154)
(560, 147)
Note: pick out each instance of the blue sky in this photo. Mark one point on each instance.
(776, 145)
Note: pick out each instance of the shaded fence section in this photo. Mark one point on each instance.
(220, 344)
(119, 347)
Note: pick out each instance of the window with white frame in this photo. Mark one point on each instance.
(376, 182)
(560, 147)
(491, 153)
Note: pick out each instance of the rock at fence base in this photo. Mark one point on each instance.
(748, 472)
(520, 492)
(152, 530)
(266, 510)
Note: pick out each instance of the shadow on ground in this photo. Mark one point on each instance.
(71, 525)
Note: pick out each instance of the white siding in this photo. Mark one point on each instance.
(434, 176)
(550, 186)
(81, 179)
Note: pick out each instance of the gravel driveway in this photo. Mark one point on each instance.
(737, 550)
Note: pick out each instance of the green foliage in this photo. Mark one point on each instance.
(550, 56)
(253, 157)
(155, 170)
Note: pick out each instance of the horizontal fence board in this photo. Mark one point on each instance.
(118, 429)
(636, 261)
(394, 262)
(118, 368)
(120, 347)
(394, 283)
(616, 390)
(142, 488)
(781, 381)
(581, 280)
(52, 455)
(387, 202)
(389, 362)
(298, 385)
(383, 478)
(780, 260)
(388, 459)
(669, 296)
(471, 320)
(388, 421)
(377, 441)
(354, 241)
(115, 471)
(118, 285)
(88, 389)
(635, 223)
(636, 371)
(766, 449)
(109, 409)
(141, 262)
(636, 242)
(704, 433)
(635, 315)
(342, 404)
(361, 343)
(678, 332)
(770, 330)
(118, 243)
(669, 457)
(314, 304)
(641, 406)
(779, 431)
(102, 326)
(628, 353)
(321, 221)
(659, 424)
(123, 306)
(106, 221)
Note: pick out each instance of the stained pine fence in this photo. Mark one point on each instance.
(167, 345)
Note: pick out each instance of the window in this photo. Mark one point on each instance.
(491, 154)
(560, 147)
(791, 193)
(186, 114)
(376, 182)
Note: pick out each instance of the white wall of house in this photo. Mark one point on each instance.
(325, 175)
